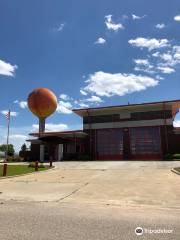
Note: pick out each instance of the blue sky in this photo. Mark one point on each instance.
(90, 53)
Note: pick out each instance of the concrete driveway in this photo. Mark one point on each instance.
(123, 183)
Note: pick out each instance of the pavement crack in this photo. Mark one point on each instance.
(73, 192)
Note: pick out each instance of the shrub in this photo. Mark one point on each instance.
(14, 159)
(171, 156)
(85, 157)
(176, 156)
(33, 164)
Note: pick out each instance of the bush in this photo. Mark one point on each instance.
(85, 157)
(14, 159)
(33, 164)
(176, 156)
(171, 156)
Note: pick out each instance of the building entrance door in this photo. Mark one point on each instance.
(145, 143)
(109, 144)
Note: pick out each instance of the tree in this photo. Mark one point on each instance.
(23, 152)
(23, 148)
(11, 151)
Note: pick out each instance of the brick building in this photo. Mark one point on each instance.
(134, 131)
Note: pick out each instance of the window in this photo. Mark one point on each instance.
(101, 118)
(151, 115)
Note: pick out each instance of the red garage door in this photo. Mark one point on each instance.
(109, 144)
(145, 143)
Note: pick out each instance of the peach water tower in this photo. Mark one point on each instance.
(42, 102)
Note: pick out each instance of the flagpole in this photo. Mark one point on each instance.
(7, 145)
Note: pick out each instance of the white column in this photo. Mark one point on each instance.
(41, 153)
(60, 152)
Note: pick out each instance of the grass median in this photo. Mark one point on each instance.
(20, 169)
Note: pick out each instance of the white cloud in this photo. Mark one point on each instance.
(100, 41)
(95, 99)
(159, 77)
(60, 27)
(143, 65)
(64, 97)
(22, 104)
(13, 114)
(124, 16)
(141, 61)
(177, 56)
(83, 92)
(176, 53)
(18, 136)
(160, 25)
(166, 70)
(111, 25)
(156, 54)
(109, 84)
(83, 105)
(64, 107)
(176, 123)
(135, 17)
(148, 69)
(7, 69)
(66, 104)
(177, 18)
(17, 140)
(150, 43)
(51, 127)
(166, 57)
(170, 58)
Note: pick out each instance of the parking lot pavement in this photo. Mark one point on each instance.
(143, 183)
(92, 200)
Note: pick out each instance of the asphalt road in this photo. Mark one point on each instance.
(56, 221)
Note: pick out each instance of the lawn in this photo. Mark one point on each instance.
(19, 169)
(177, 169)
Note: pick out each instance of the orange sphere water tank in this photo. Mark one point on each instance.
(42, 102)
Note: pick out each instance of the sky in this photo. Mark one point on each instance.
(89, 53)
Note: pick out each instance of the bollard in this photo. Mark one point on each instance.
(51, 163)
(4, 169)
(36, 166)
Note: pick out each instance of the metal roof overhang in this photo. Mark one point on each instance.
(60, 135)
(174, 105)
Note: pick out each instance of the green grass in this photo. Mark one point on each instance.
(170, 156)
(177, 169)
(19, 169)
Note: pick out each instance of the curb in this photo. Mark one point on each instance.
(25, 174)
(174, 171)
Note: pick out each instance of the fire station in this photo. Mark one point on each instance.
(124, 132)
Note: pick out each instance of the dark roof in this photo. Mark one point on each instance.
(64, 134)
(83, 111)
